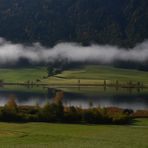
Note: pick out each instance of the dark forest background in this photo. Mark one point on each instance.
(115, 22)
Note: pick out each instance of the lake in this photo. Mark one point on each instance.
(78, 96)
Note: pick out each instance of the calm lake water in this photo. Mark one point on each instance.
(97, 96)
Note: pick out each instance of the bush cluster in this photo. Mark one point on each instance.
(57, 113)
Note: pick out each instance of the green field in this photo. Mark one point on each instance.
(105, 72)
(44, 135)
(19, 75)
(86, 75)
(97, 75)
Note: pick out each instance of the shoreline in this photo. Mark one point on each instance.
(133, 86)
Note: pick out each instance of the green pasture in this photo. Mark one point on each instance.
(21, 75)
(105, 73)
(96, 75)
(45, 135)
(87, 75)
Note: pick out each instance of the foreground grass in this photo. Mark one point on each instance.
(43, 135)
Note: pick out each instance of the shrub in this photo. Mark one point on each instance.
(121, 118)
(56, 112)
(72, 115)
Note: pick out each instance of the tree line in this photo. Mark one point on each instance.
(56, 112)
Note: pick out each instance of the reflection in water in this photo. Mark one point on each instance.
(78, 97)
(124, 101)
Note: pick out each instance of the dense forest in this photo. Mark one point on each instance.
(115, 22)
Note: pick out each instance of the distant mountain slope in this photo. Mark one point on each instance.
(117, 22)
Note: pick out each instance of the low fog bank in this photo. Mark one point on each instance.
(11, 53)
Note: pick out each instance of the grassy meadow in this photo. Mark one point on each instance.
(21, 75)
(105, 73)
(44, 135)
(97, 75)
(84, 75)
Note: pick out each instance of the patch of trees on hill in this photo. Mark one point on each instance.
(142, 66)
(116, 22)
(60, 64)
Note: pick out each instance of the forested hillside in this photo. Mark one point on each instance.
(115, 22)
